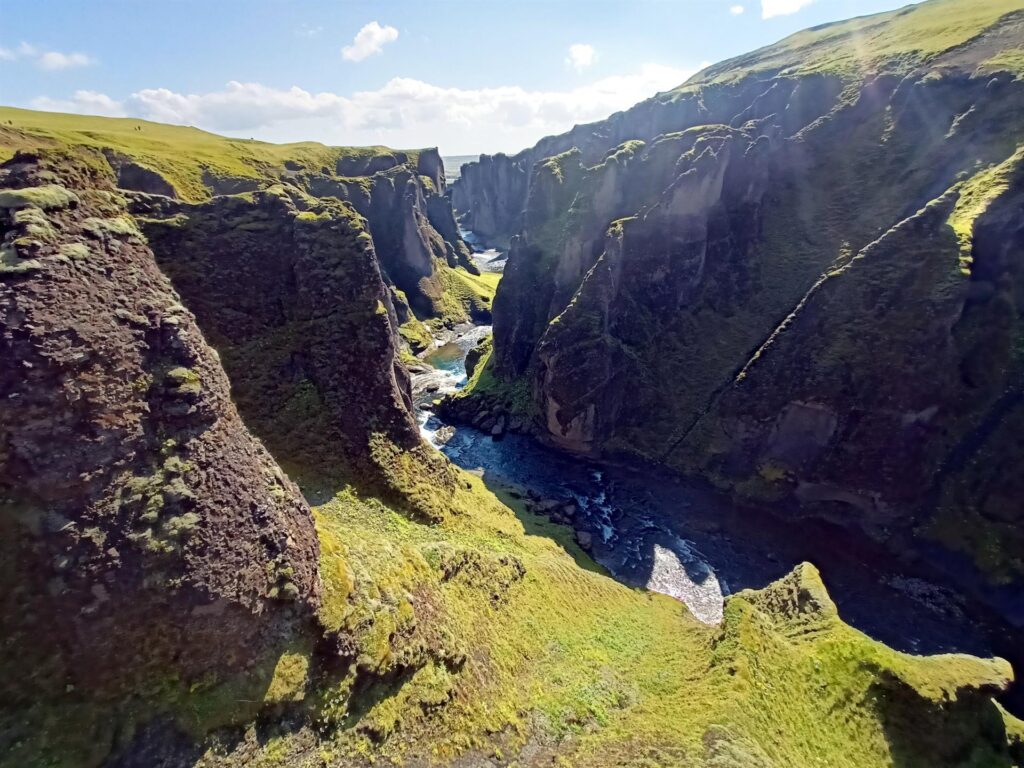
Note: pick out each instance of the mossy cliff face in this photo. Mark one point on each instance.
(164, 598)
(402, 197)
(290, 290)
(312, 270)
(795, 275)
(149, 541)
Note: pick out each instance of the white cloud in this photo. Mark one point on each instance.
(54, 60)
(581, 56)
(48, 60)
(85, 103)
(239, 107)
(770, 8)
(368, 41)
(405, 112)
(737, 10)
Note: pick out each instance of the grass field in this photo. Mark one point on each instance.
(895, 40)
(178, 153)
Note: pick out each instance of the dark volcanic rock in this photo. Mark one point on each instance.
(152, 537)
(291, 292)
(136, 177)
(492, 195)
(799, 286)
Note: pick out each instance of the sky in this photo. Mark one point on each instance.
(465, 76)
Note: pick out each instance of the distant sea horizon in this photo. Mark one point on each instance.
(452, 164)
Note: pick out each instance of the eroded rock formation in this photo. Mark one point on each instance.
(147, 536)
(779, 280)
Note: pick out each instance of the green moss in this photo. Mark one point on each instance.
(119, 226)
(75, 251)
(416, 335)
(13, 265)
(291, 674)
(625, 151)
(466, 295)
(558, 166)
(510, 396)
(48, 197)
(1008, 60)
(34, 224)
(975, 195)
(183, 381)
(192, 161)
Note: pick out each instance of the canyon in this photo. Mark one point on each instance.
(311, 456)
(722, 280)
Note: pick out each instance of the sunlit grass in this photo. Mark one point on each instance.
(178, 153)
(897, 40)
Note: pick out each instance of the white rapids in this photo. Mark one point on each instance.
(693, 584)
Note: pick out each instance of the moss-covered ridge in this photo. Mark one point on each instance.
(893, 42)
(193, 164)
(667, 256)
(475, 639)
(618, 676)
(401, 193)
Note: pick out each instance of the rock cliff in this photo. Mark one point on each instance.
(290, 290)
(795, 275)
(148, 539)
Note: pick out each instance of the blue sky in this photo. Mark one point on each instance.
(468, 77)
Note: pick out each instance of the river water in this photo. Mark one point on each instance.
(650, 528)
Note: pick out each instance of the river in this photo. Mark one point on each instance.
(650, 528)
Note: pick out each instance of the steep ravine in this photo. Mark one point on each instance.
(174, 593)
(796, 276)
(650, 528)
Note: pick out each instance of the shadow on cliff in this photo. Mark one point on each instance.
(969, 730)
(538, 525)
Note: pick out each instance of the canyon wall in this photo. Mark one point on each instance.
(158, 562)
(291, 290)
(796, 275)
(148, 538)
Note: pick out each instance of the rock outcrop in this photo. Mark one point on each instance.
(492, 193)
(148, 540)
(795, 275)
(403, 198)
(290, 290)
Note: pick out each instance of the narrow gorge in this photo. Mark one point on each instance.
(723, 279)
(688, 437)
